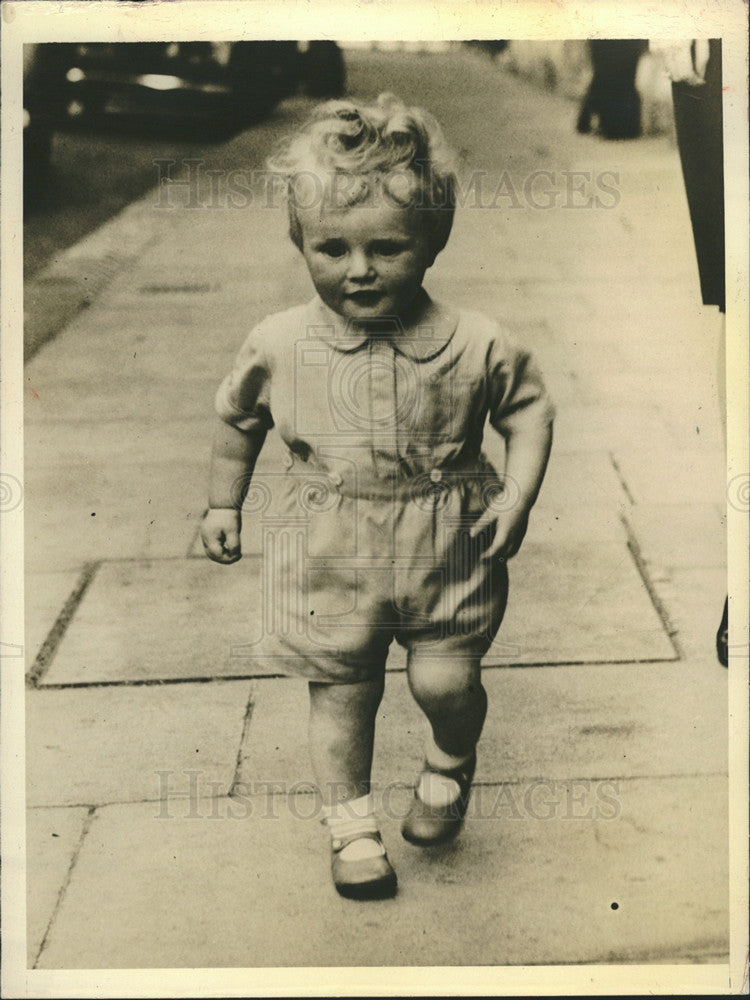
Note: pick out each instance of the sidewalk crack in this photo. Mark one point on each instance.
(640, 564)
(623, 481)
(55, 635)
(88, 820)
(237, 779)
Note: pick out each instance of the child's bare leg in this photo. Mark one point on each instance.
(449, 691)
(342, 731)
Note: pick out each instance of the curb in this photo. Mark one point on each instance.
(79, 274)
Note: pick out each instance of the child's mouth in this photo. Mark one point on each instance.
(365, 297)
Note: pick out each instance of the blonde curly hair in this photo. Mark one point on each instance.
(350, 151)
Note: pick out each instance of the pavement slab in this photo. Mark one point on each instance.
(556, 614)
(94, 746)
(176, 619)
(502, 300)
(686, 346)
(189, 623)
(69, 284)
(111, 511)
(151, 397)
(575, 480)
(658, 475)
(694, 600)
(571, 305)
(641, 879)
(53, 837)
(588, 723)
(690, 411)
(593, 523)
(600, 426)
(679, 535)
(81, 444)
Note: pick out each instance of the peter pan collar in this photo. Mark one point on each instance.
(421, 341)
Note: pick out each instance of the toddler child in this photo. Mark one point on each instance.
(387, 522)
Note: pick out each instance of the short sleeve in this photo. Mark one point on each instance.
(244, 397)
(518, 398)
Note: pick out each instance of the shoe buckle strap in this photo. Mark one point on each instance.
(340, 841)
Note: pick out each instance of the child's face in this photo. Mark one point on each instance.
(366, 261)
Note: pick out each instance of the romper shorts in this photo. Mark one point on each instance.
(366, 532)
(351, 563)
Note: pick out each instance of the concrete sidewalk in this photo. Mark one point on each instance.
(598, 829)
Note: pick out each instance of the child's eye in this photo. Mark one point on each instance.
(334, 248)
(387, 249)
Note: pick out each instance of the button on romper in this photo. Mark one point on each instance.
(366, 529)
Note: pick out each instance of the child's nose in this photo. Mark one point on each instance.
(360, 265)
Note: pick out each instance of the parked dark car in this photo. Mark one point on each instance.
(223, 82)
(201, 89)
(41, 112)
(192, 81)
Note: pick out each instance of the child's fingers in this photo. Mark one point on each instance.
(219, 547)
(485, 519)
(503, 546)
(213, 546)
(497, 550)
(232, 546)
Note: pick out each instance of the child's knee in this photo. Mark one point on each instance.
(444, 680)
(335, 699)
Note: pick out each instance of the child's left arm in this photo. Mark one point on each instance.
(527, 454)
(521, 411)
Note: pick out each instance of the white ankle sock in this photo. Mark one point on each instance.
(436, 789)
(347, 819)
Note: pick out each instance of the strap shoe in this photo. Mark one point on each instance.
(427, 824)
(363, 878)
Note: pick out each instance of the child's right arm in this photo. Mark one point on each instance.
(244, 419)
(233, 459)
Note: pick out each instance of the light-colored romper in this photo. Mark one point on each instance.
(365, 530)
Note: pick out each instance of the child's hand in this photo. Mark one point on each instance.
(220, 533)
(506, 530)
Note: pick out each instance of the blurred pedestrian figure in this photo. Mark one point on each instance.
(612, 97)
(491, 46)
(695, 70)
